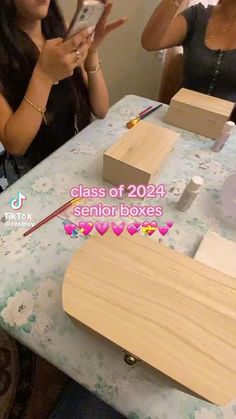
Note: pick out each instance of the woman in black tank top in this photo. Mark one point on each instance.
(208, 37)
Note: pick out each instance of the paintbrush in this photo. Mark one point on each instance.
(136, 120)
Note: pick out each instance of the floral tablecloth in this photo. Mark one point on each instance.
(32, 268)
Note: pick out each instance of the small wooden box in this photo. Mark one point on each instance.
(199, 113)
(168, 310)
(137, 157)
(218, 252)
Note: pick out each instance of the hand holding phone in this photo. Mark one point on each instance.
(87, 15)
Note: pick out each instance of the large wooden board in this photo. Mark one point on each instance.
(174, 313)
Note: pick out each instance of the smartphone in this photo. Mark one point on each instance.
(87, 15)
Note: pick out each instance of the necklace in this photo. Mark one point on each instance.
(225, 29)
(39, 44)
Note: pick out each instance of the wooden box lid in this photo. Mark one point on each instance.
(144, 147)
(176, 314)
(202, 101)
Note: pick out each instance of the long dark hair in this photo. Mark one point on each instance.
(19, 54)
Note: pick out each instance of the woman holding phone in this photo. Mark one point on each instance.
(48, 87)
(208, 36)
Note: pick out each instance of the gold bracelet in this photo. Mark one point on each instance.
(94, 69)
(42, 111)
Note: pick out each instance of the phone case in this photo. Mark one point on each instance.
(87, 15)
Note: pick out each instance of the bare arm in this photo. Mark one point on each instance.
(98, 92)
(18, 129)
(164, 29)
(56, 62)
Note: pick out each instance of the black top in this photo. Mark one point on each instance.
(205, 70)
(60, 125)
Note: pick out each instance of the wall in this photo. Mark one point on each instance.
(127, 67)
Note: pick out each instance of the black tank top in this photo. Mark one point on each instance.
(206, 70)
(60, 125)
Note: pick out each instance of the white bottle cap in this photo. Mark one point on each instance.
(230, 123)
(195, 184)
(228, 127)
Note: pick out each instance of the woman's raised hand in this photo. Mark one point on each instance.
(103, 28)
(59, 58)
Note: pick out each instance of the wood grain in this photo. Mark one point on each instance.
(174, 313)
(218, 252)
(199, 113)
(137, 157)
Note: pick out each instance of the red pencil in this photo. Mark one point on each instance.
(54, 214)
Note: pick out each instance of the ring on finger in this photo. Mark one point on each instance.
(78, 56)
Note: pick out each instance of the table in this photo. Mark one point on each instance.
(32, 268)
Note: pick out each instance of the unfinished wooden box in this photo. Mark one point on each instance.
(199, 113)
(138, 156)
(218, 252)
(168, 310)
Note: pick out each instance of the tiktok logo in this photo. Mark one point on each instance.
(17, 203)
(18, 219)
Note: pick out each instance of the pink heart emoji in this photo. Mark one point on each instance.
(149, 228)
(163, 230)
(170, 223)
(118, 229)
(85, 227)
(132, 229)
(102, 227)
(70, 228)
(137, 225)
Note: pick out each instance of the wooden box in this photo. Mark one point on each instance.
(218, 252)
(199, 113)
(137, 157)
(170, 311)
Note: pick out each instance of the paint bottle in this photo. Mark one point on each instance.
(189, 194)
(223, 137)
